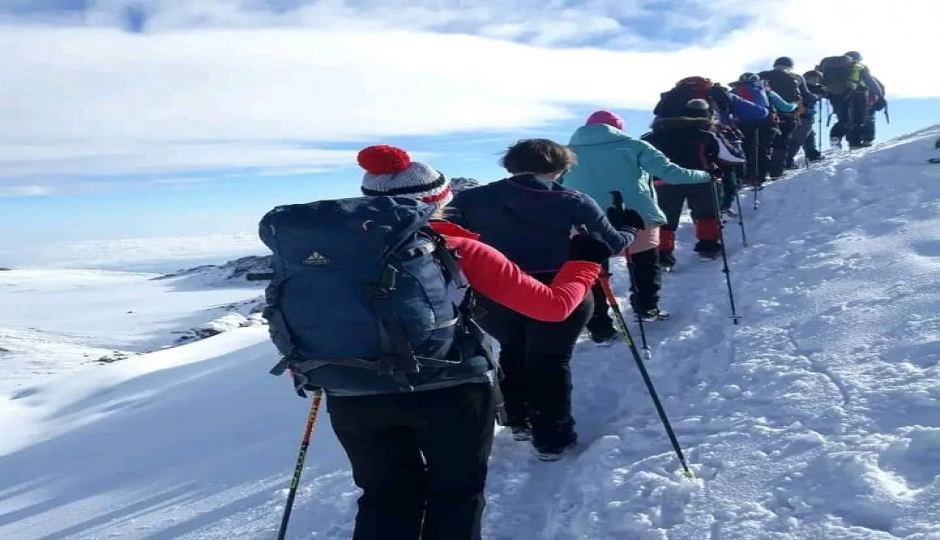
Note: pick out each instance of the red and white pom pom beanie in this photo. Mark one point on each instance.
(390, 172)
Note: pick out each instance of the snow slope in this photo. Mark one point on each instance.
(55, 319)
(817, 418)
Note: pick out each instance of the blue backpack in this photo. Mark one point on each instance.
(753, 92)
(365, 298)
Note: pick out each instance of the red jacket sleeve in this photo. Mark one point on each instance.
(491, 274)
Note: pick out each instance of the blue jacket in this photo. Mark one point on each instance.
(531, 220)
(609, 159)
(743, 109)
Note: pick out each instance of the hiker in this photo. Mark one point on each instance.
(689, 141)
(759, 134)
(852, 91)
(731, 139)
(742, 113)
(406, 371)
(529, 217)
(805, 135)
(877, 102)
(672, 102)
(792, 88)
(610, 160)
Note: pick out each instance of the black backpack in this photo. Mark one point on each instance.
(786, 85)
(672, 103)
(837, 74)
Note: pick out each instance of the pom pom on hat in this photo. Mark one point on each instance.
(383, 159)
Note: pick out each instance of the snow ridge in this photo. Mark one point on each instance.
(817, 418)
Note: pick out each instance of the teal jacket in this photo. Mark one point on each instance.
(609, 160)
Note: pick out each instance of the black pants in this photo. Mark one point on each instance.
(730, 185)
(536, 362)
(420, 459)
(786, 126)
(804, 137)
(853, 115)
(758, 138)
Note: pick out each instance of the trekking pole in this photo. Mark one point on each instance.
(724, 257)
(887, 116)
(647, 352)
(820, 134)
(618, 204)
(757, 161)
(625, 332)
(301, 457)
(737, 198)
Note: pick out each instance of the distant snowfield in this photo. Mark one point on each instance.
(818, 418)
(53, 320)
(155, 255)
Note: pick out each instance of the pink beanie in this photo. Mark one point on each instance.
(605, 117)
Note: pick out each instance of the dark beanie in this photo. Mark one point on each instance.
(784, 61)
(697, 108)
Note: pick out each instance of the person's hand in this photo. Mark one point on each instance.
(624, 217)
(717, 175)
(589, 247)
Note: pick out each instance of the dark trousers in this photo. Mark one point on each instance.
(535, 357)
(704, 210)
(646, 280)
(420, 459)
(730, 184)
(758, 138)
(853, 114)
(866, 133)
(786, 126)
(804, 137)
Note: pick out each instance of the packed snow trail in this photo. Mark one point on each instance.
(817, 418)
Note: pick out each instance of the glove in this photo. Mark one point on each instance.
(717, 175)
(589, 247)
(624, 217)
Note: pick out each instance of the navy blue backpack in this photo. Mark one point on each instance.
(366, 298)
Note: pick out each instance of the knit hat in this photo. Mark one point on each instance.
(857, 56)
(783, 61)
(605, 117)
(697, 108)
(390, 172)
(459, 184)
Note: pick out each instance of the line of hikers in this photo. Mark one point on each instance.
(389, 302)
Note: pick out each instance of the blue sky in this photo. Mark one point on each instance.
(133, 118)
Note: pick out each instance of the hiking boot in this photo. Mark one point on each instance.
(708, 255)
(835, 143)
(555, 453)
(729, 212)
(605, 335)
(521, 433)
(654, 315)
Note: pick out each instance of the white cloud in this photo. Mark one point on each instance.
(16, 190)
(94, 100)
